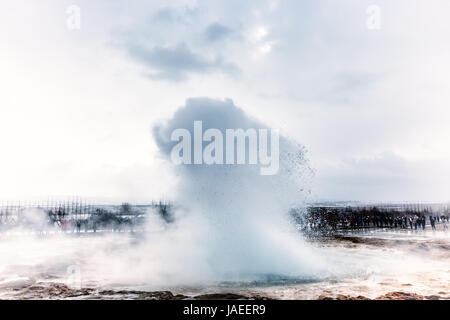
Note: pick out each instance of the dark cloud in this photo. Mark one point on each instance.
(216, 32)
(174, 15)
(175, 63)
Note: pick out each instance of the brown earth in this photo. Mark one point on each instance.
(398, 295)
(62, 291)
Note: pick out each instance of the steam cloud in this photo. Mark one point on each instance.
(241, 218)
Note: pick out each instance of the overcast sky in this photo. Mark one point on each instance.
(372, 106)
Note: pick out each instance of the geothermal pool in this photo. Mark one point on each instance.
(370, 264)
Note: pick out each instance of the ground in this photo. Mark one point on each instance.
(383, 264)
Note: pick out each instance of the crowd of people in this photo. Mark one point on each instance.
(334, 219)
(74, 219)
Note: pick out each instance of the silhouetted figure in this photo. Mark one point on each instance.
(433, 223)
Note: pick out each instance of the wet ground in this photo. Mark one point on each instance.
(381, 264)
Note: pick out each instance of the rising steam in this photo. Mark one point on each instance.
(238, 218)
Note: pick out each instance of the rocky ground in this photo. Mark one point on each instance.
(390, 296)
(52, 291)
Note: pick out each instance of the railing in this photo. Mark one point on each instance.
(78, 216)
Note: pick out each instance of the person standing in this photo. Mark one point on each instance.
(433, 223)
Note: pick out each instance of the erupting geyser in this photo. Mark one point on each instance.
(234, 220)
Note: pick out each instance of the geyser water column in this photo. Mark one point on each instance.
(244, 216)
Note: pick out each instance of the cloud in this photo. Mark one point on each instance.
(175, 63)
(346, 87)
(175, 43)
(383, 177)
(352, 80)
(216, 32)
(173, 16)
(165, 14)
(345, 91)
